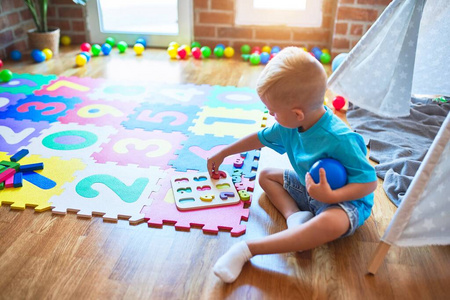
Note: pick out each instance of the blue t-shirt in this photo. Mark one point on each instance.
(328, 138)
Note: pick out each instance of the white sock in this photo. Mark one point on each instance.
(298, 218)
(229, 266)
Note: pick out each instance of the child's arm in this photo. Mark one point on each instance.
(323, 193)
(247, 143)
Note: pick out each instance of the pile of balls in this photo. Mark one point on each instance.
(321, 55)
(176, 51)
(36, 54)
(87, 49)
(257, 55)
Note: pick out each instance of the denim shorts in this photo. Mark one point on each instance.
(304, 202)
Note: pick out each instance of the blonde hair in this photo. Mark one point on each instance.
(294, 77)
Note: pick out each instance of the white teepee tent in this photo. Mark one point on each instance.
(406, 52)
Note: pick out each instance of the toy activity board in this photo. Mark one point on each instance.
(109, 148)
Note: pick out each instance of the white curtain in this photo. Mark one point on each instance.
(406, 51)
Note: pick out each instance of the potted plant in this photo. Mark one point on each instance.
(43, 36)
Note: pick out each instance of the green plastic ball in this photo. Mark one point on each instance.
(255, 59)
(6, 75)
(96, 49)
(111, 41)
(325, 58)
(122, 46)
(218, 52)
(196, 44)
(245, 49)
(206, 51)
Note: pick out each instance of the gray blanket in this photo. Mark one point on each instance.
(399, 145)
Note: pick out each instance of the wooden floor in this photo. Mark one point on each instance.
(44, 256)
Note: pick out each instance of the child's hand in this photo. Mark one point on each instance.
(213, 163)
(320, 191)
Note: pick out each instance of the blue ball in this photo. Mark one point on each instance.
(335, 172)
(37, 55)
(106, 49)
(338, 60)
(221, 46)
(142, 42)
(275, 49)
(87, 55)
(264, 57)
(16, 55)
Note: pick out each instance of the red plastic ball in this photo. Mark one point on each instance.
(273, 55)
(1, 63)
(196, 53)
(85, 47)
(182, 52)
(338, 102)
(256, 49)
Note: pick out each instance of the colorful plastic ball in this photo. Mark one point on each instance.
(174, 44)
(221, 46)
(196, 45)
(182, 53)
(305, 49)
(65, 40)
(266, 49)
(187, 48)
(37, 55)
(15, 55)
(265, 57)
(228, 52)
(317, 54)
(325, 58)
(141, 41)
(206, 51)
(110, 41)
(48, 53)
(325, 50)
(255, 59)
(338, 60)
(196, 53)
(6, 75)
(275, 49)
(314, 49)
(106, 48)
(335, 172)
(85, 47)
(218, 51)
(256, 49)
(245, 57)
(96, 49)
(272, 55)
(172, 51)
(80, 60)
(138, 48)
(338, 102)
(1, 63)
(245, 49)
(87, 55)
(122, 46)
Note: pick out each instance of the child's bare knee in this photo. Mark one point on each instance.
(334, 222)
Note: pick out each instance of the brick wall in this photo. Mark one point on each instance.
(16, 20)
(353, 19)
(344, 22)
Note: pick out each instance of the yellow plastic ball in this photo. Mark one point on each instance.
(65, 40)
(80, 60)
(172, 51)
(187, 48)
(325, 50)
(138, 48)
(228, 52)
(266, 49)
(48, 53)
(305, 49)
(174, 44)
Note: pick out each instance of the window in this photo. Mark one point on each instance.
(295, 13)
(158, 21)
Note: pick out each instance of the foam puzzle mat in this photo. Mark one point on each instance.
(110, 148)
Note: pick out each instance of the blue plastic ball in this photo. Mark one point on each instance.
(265, 57)
(338, 60)
(38, 56)
(106, 49)
(221, 46)
(275, 49)
(87, 55)
(141, 41)
(16, 55)
(335, 172)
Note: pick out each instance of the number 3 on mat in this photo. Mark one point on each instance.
(128, 194)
